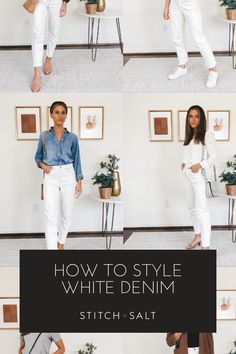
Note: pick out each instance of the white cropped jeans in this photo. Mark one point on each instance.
(193, 350)
(45, 9)
(59, 192)
(197, 204)
(188, 11)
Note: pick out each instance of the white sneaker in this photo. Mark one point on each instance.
(212, 79)
(178, 73)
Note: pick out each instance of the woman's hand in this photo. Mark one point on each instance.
(46, 168)
(166, 13)
(78, 188)
(63, 9)
(196, 168)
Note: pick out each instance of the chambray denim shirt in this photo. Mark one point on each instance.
(53, 152)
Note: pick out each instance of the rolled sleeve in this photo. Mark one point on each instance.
(39, 152)
(77, 160)
(211, 151)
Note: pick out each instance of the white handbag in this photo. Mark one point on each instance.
(212, 187)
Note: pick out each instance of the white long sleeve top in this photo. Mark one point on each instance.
(204, 154)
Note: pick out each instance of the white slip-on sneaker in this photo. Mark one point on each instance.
(178, 73)
(212, 79)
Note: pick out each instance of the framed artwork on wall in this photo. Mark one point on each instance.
(28, 123)
(181, 124)
(9, 313)
(91, 123)
(226, 305)
(219, 124)
(160, 125)
(68, 122)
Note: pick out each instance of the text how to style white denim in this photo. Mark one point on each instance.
(59, 192)
(44, 9)
(197, 204)
(193, 350)
(188, 11)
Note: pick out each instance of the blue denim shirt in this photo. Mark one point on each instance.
(56, 153)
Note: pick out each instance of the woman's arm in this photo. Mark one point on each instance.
(166, 13)
(39, 155)
(22, 345)
(77, 166)
(172, 338)
(63, 10)
(60, 346)
(211, 151)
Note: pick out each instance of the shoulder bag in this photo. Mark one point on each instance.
(29, 5)
(212, 187)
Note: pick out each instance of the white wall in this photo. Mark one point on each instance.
(15, 24)
(152, 169)
(146, 31)
(20, 204)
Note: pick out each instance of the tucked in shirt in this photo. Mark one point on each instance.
(199, 153)
(193, 340)
(54, 152)
(43, 343)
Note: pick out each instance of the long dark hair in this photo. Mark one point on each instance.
(58, 103)
(199, 137)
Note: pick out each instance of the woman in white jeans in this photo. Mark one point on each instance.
(188, 11)
(199, 153)
(58, 155)
(50, 10)
(191, 343)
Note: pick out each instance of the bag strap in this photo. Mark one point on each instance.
(35, 343)
(44, 145)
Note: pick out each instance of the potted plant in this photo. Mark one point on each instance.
(89, 349)
(230, 8)
(112, 167)
(229, 177)
(233, 351)
(106, 182)
(90, 6)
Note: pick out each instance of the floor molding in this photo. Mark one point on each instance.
(128, 56)
(128, 231)
(59, 46)
(70, 235)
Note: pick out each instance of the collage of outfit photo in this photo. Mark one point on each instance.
(118, 133)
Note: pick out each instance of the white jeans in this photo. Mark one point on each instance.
(59, 191)
(44, 9)
(193, 350)
(189, 11)
(197, 203)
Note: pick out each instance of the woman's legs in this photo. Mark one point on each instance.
(53, 30)
(39, 20)
(195, 188)
(51, 200)
(67, 194)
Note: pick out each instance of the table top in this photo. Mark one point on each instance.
(228, 196)
(224, 19)
(108, 13)
(112, 200)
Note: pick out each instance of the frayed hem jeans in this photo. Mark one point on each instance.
(45, 10)
(188, 11)
(59, 193)
(197, 204)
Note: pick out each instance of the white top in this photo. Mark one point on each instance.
(108, 13)
(43, 343)
(203, 154)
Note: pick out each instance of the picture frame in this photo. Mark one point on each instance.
(181, 124)
(68, 122)
(9, 313)
(226, 305)
(28, 122)
(160, 125)
(218, 122)
(91, 122)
